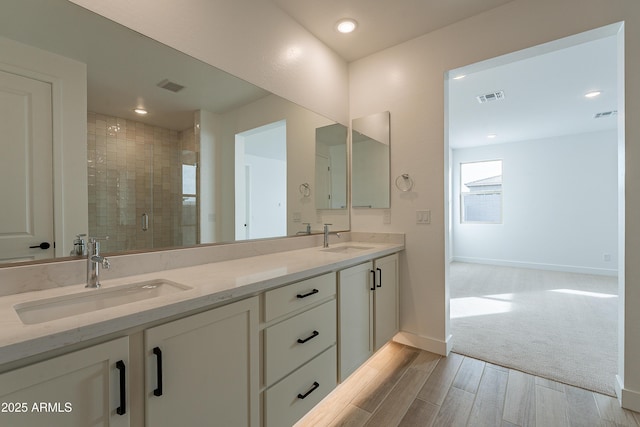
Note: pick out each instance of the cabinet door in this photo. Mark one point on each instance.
(203, 370)
(80, 389)
(355, 318)
(385, 300)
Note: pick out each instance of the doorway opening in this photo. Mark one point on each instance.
(533, 279)
(261, 180)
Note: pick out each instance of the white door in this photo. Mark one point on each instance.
(26, 169)
(323, 182)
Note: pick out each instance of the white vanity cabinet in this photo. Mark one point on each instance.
(88, 387)
(367, 310)
(299, 348)
(203, 369)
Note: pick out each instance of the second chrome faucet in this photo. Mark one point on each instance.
(326, 235)
(94, 262)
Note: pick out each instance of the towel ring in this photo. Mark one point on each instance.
(305, 189)
(404, 182)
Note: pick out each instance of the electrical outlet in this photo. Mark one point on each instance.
(606, 257)
(296, 217)
(423, 217)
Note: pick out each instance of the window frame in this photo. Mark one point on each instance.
(463, 220)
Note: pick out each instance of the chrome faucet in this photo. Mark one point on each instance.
(308, 229)
(94, 261)
(326, 235)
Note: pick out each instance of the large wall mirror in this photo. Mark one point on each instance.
(370, 179)
(215, 159)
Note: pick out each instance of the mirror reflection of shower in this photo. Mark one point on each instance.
(143, 184)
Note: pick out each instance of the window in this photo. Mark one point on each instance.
(481, 192)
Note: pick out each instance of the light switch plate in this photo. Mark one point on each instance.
(386, 217)
(423, 217)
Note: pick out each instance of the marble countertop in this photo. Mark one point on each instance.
(211, 285)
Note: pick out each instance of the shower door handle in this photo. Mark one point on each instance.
(145, 222)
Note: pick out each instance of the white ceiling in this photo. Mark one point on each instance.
(124, 67)
(381, 23)
(544, 95)
(544, 92)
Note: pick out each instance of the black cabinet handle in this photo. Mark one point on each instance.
(313, 335)
(158, 353)
(311, 390)
(380, 279)
(43, 245)
(315, 291)
(373, 287)
(122, 409)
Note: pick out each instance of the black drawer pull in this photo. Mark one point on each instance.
(373, 287)
(158, 353)
(122, 409)
(313, 335)
(315, 291)
(311, 390)
(380, 279)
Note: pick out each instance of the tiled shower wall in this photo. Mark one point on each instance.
(136, 169)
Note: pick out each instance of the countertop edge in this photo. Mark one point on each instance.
(53, 336)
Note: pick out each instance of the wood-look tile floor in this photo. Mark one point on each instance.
(404, 386)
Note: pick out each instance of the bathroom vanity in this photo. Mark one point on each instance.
(253, 341)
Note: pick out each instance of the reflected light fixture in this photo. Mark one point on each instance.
(140, 111)
(592, 94)
(346, 25)
(461, 76)
(491, 135)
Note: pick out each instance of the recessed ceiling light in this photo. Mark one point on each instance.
(346, 25)
(491, 135)
(140, 111)
(592, 94)
(462, 76)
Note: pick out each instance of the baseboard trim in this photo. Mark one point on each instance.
(424, 343)
(539, 266)
(629, 399)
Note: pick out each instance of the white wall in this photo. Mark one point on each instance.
(253, 40)
(560, 205)
(208, 128)
(301, 134)
(408, 81)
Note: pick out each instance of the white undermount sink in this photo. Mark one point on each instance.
(48, 309)
(347, 249)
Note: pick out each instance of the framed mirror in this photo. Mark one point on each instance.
(161, 180)
(370, 161)
(331, 167)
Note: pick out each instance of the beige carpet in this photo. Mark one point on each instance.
(561, 326)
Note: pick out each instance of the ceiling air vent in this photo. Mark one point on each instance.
(606, 114)
(169, 85)
(493, 96)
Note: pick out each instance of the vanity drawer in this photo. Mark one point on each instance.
(285, 403)
(284, 351)
(286, 299)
